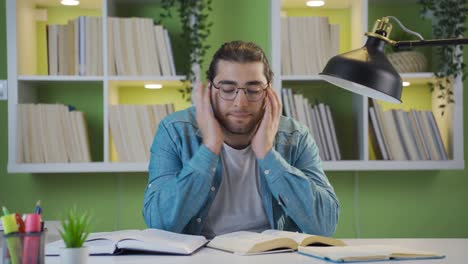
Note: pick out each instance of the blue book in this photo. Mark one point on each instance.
(366, 253)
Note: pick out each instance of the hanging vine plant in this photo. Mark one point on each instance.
(195, 29)
(448, 18)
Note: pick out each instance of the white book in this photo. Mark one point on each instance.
(413, 135)
(140, 44)
(152, 48)
(292, 104)
(298, 98)
(286, 106)
(391, 133)
(436, 133)
(428, 136)
(380, 121)
(169, 52)
(82, 45)
(117, 139)
(327, 131)
(52, 49)
(378, 135)
(21, 134)
(333, 133)
(334, 40)
(420, 135)
(315, 133)
(162, 50)
(285, 47)
(405, 136)
(148, 240)
(325, 150)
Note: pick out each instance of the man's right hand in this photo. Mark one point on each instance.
(212, 133)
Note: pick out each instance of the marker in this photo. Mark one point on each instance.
(38, 209)
(11, 230)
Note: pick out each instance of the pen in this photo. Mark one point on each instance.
(11, 230)
(38, 209)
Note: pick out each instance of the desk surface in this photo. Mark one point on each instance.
(456, 251)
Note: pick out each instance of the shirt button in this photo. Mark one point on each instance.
(213, 169)
(149, 185)
(213, 188)
(267, 172)
(198, 220)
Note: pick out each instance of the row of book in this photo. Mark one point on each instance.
(133, 128)
(317, 118)
(51, 133)
(307, 43)
(75, 48)
(135, 47)
(405, 135)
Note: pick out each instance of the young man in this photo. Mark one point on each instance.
(233, 162)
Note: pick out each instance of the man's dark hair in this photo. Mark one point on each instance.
(241, 52)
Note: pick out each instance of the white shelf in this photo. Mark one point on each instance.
(147, 78)
(59, 78)
(388, 165)
(343, 165)
(301, 78)
(78, 167)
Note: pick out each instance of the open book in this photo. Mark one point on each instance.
(148, 240)
(269, 241)
(366, 253)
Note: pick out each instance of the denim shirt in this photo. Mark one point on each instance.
(184, 176)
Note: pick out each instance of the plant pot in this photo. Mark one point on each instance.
(74, 255)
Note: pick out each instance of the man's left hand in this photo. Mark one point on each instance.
(262, 141)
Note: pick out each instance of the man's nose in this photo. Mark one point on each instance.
(241, 98)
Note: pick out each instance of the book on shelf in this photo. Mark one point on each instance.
(318, 119)
(268, 241)
(128, 241)
(366, 253)
(133, 128)
(300, 33)
(51, 133)
(405, 135)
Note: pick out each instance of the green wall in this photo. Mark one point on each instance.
(374, 204)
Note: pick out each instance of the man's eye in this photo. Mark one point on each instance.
(228, 88)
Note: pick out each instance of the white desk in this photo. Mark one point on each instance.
(456, 251)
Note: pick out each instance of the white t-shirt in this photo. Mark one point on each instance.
(238, 204)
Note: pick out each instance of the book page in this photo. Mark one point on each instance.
(305, 239)
(245, 242)
(156, 240)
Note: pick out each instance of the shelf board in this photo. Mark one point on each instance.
(301, 78)
(78, 167)
(387, 165)
(48, 78)
(147, 78)
(342, 165)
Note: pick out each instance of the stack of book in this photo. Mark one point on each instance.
(51, 133)
(405, 135)
(75, 48)
(307, 43)
(133, 128)
(137, 47)
(317, 118)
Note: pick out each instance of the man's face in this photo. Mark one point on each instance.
(239, 116)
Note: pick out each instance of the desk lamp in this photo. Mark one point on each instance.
(367, 71)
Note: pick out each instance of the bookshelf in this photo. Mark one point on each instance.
(29, 82)
(354, 134)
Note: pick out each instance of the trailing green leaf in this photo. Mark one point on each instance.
(195, 29)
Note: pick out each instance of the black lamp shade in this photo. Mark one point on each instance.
(365, 71)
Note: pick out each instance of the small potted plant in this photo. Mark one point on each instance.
(75, 230)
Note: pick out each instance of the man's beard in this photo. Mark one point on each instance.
(239, 129)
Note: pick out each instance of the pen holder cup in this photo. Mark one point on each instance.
(21, 248)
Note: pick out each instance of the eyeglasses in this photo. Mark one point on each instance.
(253, 92)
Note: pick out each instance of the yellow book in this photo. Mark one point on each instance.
(269, 241)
